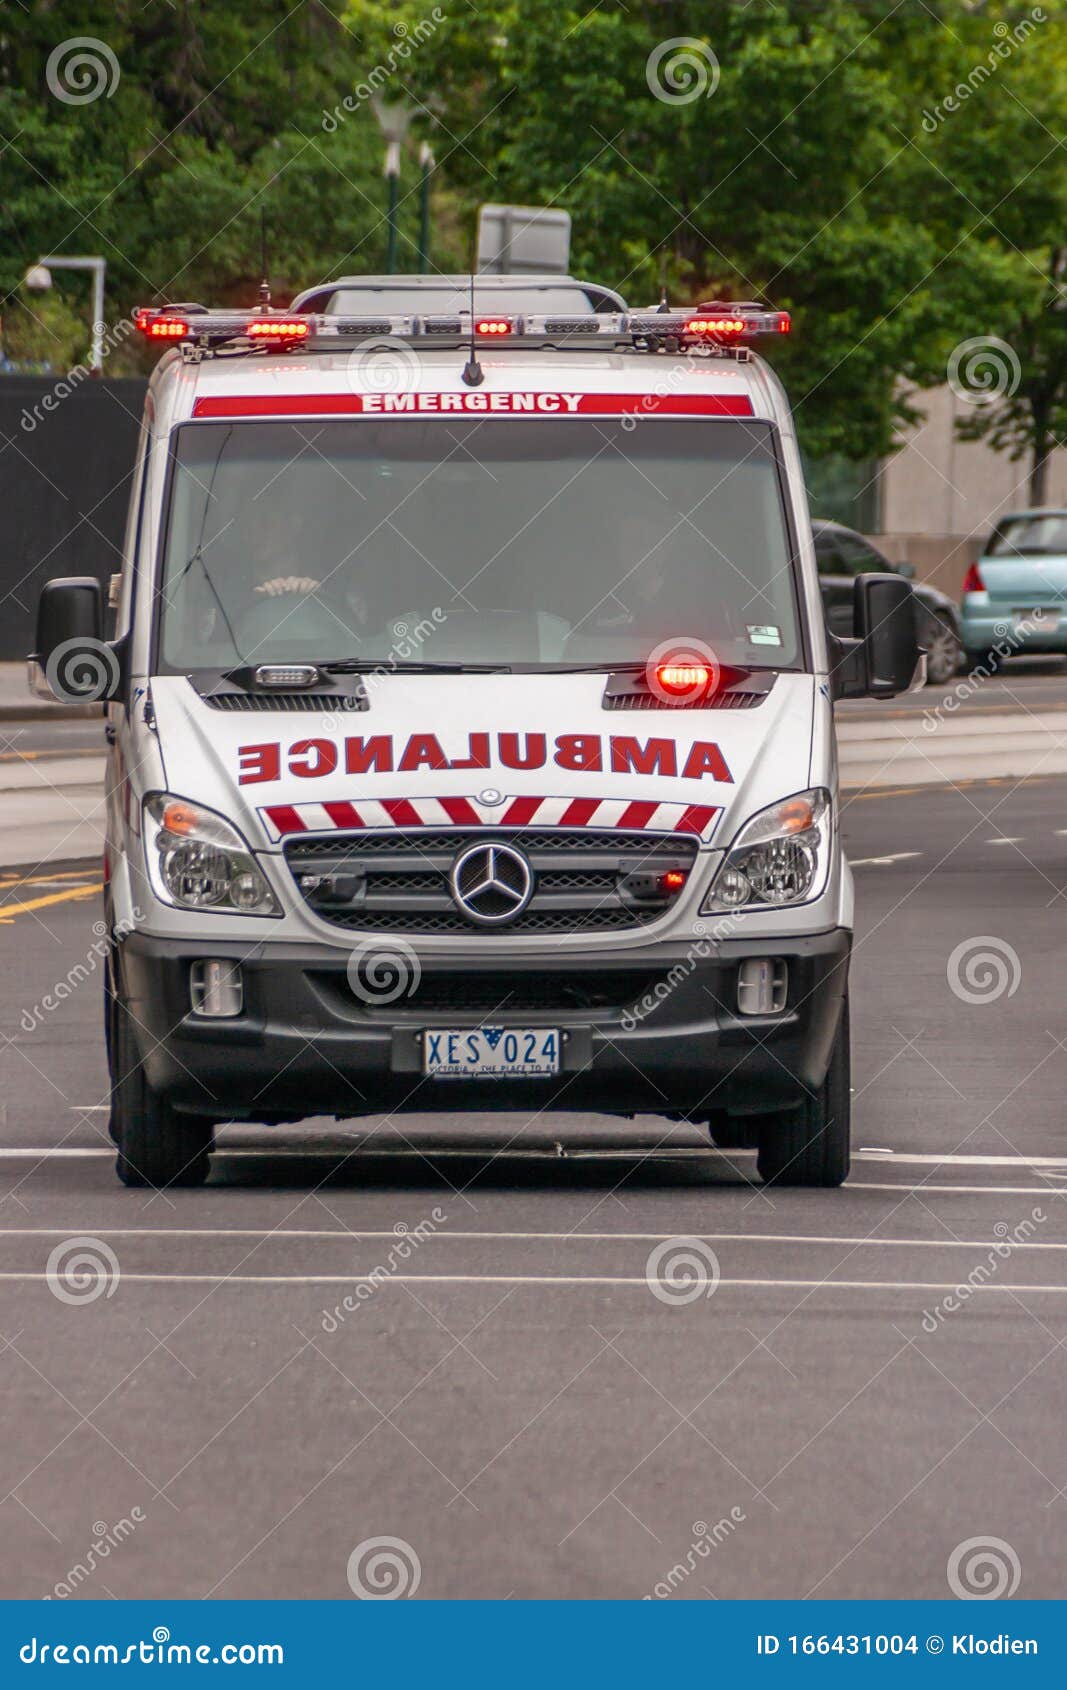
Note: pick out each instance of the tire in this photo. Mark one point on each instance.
(810, 1145)
(156, 1146)
(945, 653)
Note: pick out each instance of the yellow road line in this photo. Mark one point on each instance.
(9, 910)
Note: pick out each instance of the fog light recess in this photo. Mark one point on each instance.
(762, 985)
(216, 988)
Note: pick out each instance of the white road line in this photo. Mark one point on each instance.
(928, 1190)
(882, 862)
(553, 1279)
(1004, 840)
(447, 1237)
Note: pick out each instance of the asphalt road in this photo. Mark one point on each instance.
(513, 1402)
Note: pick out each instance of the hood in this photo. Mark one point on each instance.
(474, 750)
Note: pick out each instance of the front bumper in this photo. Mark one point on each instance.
(659, 1034)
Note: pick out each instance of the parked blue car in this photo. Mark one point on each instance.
(1015, 596)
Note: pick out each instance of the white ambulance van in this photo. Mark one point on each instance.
(471, 736)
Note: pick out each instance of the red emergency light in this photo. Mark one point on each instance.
(684, 680)
(162, 328)
(278, 328)
(493, 325)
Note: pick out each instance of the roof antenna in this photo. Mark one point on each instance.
(264, 286)
(664, 304)
(473, 374)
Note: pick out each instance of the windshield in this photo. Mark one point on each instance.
(518, 541)
(1031, 536)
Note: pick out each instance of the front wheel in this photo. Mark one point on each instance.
(810, 1145)
(156, 1146)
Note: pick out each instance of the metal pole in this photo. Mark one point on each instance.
(392, 172)
(427, 160)
(98, 269)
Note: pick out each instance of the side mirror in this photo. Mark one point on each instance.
(73, 662)
(885, 658)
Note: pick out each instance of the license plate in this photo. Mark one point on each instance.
(452, 1053)
(1046, 620)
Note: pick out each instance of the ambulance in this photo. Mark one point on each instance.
(470, 714)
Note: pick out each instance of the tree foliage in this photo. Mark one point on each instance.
(801, 151)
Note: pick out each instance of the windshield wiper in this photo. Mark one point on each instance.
(367, 666)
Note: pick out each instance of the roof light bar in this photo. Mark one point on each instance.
(714, 325)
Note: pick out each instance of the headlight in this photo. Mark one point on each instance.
(197, 861)
(782, 856)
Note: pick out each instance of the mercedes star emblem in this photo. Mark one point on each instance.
(491, 884)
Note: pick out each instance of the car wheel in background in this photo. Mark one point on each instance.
(945, 652)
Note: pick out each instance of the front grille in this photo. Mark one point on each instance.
(398, 882)
(325, 703)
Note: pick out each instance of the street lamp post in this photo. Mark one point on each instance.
(393, 121)
(427, 160)
(39, 277)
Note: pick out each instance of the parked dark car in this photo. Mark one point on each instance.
(842, 554)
